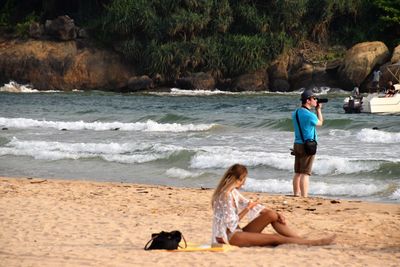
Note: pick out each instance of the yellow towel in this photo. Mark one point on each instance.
(202, 247)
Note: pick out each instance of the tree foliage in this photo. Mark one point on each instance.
(224, 37)
(388, 20)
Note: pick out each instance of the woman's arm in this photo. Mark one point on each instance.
(250, 205)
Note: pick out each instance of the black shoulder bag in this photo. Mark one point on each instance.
(165, 240)
(310, 145)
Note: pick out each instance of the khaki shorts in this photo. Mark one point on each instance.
(302, 162)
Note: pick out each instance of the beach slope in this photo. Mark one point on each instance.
(48, 222)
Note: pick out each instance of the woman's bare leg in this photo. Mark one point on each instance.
(247, 239)
(269, 217)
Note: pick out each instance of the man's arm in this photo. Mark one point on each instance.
(318, 109)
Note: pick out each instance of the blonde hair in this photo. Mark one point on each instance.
(234, 173)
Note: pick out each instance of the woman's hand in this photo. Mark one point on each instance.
(251, 205)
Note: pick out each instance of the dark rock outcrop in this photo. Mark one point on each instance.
(62, 28)
(200, 80)
(36, 30)
(140, 83)
(314, 75)
(278, 74)
(257, 81)
(303, 77)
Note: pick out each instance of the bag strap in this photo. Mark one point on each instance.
(184, 241)
(298, 123)
(146, 247)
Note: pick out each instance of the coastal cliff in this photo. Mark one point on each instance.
(129, 46)
(68, 65)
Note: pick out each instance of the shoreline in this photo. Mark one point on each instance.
(91, 180)
(49, 222)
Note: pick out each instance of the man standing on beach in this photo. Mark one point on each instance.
(306, 119)
(375, 80)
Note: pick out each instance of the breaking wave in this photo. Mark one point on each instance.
(149, 125)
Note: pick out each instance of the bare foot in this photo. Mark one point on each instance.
(324, 241)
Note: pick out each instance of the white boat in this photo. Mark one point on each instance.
(352, 104)
(376, 102)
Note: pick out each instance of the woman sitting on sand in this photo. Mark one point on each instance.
(229, 207)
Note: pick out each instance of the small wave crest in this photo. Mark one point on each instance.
(224, 157)
(282, 124)
(395, 195)
(276, 186)
(324, 90)
(112, 152)
(182, 174)
(324, 165)
(200, 92)
(377, 136)
(149, 125)
(14, 87)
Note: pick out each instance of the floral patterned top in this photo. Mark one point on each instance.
(226, 211)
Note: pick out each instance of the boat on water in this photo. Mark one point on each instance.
(373, 103)
(376, 102)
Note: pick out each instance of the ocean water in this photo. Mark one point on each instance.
(189, 138)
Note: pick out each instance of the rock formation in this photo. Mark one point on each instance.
(360, 60)
(49, 65)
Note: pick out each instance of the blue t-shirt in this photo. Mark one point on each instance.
(308, 121)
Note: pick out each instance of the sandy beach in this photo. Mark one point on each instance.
(48, 222)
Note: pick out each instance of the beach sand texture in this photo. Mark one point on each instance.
(46, 222)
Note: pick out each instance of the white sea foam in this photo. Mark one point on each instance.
(395, 195)
(177, 91)
(113, 152)
(316, 188)
(14, 87)
(181, 173)
(129, 159)
(340, 133)
(148, 126)
(224, 157)
(323, 90)
(334, 165)
(377, 136)
(269, 185)
(198, 92)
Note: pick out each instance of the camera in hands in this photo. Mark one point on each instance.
(322, 100)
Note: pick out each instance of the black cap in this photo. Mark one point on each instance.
(307, 94)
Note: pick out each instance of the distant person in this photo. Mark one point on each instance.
(391, 90)
(375, 79)
(229, 207)
(308, 121)
(356, 92)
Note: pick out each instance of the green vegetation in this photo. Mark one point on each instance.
(224, 37)
(22, 28)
